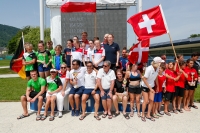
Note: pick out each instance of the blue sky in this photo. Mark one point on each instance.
(183, 17)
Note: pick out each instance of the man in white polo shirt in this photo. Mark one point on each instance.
(77, 81)
(148, 83)
(105, 81)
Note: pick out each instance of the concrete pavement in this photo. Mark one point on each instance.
(187, 122)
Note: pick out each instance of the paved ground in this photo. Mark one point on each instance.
(187, 122)
(9, 75)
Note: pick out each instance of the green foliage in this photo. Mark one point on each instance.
(6, 33)
(194, 35)
(31, 35)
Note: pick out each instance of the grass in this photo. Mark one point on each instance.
(197, 94)
(4, 62)
(12, 88)
(6, 71)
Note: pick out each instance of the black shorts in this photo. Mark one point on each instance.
(145, 89)
(188, 87)
(28, 74)
(34, 93)
(134, 89)
(169, 96)
(179, 91)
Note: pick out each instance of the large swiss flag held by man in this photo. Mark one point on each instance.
(78, 6)
(149, 23)
(139, 52)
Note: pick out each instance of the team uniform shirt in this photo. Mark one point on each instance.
(90, 80)
(111, 52)
(90, 53)
(98, 54)
(170, 83)
(53, 84)
(43, 56)
(52, 51)
(77, 54)
(189, 72)
(67, 52)
(36, 85)
(182, 80)
(161, 81)
(150, 74)
(86, 43)
(123, 61)
(57, 60)
(81, 76)
(106, 78)
(85, 55)
(29, 57)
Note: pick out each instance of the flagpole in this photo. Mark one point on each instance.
(95, 24)
(23, 42)
(173, 49)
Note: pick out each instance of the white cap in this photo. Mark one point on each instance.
(53, 70)
(158, 60)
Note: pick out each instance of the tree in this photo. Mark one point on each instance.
(31, 35)
(194, 35)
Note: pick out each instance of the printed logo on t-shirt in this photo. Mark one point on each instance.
(113, 47)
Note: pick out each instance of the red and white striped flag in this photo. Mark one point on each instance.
(78, 6)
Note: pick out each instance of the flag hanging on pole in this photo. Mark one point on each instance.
(139, 52)
(78, 6)
(17, 66)
(149, 23)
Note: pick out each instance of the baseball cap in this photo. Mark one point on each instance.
(53, 70)
(158, 60)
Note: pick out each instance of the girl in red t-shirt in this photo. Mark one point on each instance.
(180, 85)
(190, 84)
(170, 87)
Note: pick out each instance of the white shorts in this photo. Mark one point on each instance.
(47, 94)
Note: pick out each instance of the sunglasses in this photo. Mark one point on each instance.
(53, 72)
(62, 67)
(105, 66)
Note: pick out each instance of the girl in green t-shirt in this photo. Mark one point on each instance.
(44, 60)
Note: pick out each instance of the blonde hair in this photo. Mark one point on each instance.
(154, 64)
(58, 47)
(28, 45)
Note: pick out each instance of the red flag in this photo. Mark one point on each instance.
(78, 6)
(149, 23)
(139, 52)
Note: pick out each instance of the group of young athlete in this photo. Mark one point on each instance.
(160, 83)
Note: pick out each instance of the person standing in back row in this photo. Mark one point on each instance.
(112, 52)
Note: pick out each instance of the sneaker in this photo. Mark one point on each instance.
(59, 114)
(73, 112)
(77, 113)
(56, 114)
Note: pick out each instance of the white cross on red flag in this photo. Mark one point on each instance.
(139, 52)
(149, 23)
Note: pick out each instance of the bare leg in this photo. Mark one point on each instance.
(138, 103)
(53, 99)
(131, 103)
(109, 104)
(174, 103)
(42, 75)
(71, 100)
(185, 106)
(192, 98)
(48, 101)
(40, 102)
(104, 103)
(47, 73)
(187, 102)
(124, 103)
(179, 102)
(145, 102)
(115, 102)
(77, 101)
(24, 105)
(166, 104)
(96, 105)
(84, 99)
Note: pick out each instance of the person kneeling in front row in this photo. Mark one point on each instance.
(35, 90)
(54, 85)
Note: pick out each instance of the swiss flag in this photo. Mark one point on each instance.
(139, 52)
(149, 23)
(78, 6)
